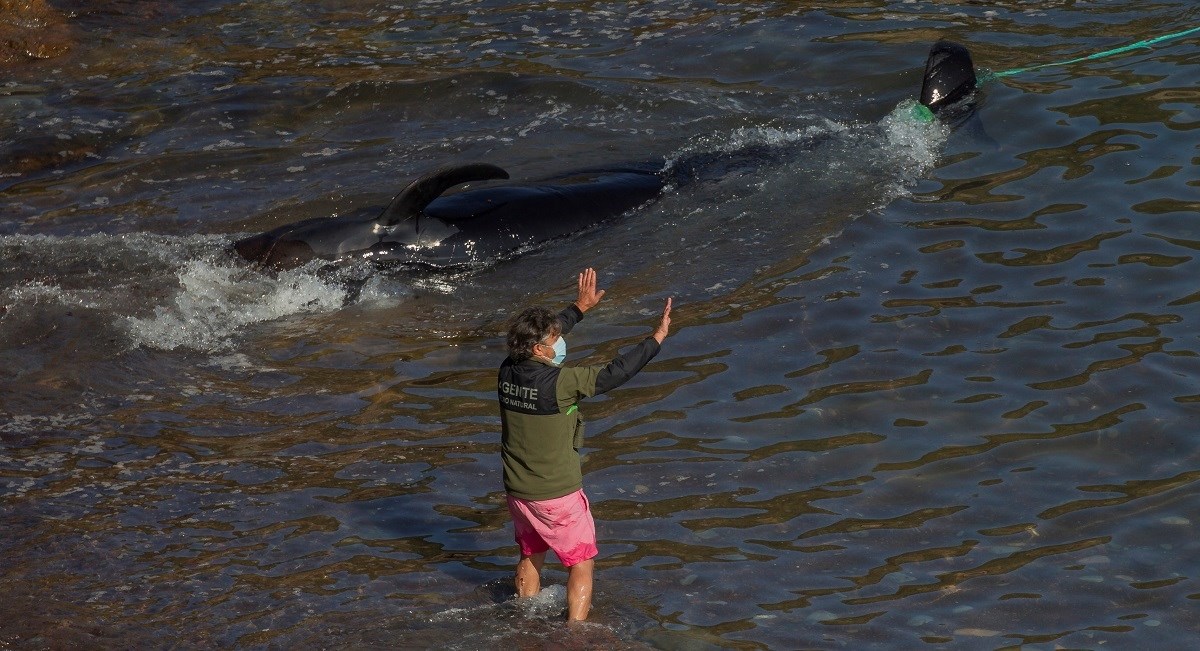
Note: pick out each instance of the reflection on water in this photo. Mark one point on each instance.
(927, 387)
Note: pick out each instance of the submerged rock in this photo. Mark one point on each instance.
(31, 29)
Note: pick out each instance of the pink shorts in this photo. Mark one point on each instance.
(563, 524)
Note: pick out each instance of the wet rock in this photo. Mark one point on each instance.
(31, 29)
(43, 152)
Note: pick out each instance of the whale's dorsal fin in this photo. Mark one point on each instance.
(413, 199)
(949, 75)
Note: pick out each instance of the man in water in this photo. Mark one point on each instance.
(542, 434)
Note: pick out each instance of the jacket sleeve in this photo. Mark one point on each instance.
(569, 317)
(618, 371)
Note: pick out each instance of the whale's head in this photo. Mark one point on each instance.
(274, 250)
(292, 245)
(949, 76)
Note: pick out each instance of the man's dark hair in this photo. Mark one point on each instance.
(528, 329)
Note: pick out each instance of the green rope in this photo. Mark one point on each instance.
(921, 113)
(1099, 55)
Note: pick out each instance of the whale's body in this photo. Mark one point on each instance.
(423, 228)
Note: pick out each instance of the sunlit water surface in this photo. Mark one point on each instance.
(929, 386)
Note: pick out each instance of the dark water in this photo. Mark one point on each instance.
(928, 387)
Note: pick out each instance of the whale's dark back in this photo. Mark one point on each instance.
(550, 208)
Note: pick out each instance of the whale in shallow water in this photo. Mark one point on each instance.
(422, 228)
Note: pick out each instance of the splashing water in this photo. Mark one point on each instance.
(156, 291)
(901, 147)
(913, 141)
(171, 292)
(215, 302)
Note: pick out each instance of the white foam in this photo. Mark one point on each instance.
(547, 604)
(914, 140)
(216, 301)
(161, 291)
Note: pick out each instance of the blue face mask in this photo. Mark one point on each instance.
(560, 350)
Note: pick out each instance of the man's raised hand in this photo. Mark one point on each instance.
(588, 295)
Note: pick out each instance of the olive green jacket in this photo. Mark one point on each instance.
(542, 429)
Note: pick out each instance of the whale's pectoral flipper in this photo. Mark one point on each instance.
(255, 248)
(413, 199)
(949, 75)
(277, 248)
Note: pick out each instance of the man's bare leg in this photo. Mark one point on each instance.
(579, 590)
(529, 575)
